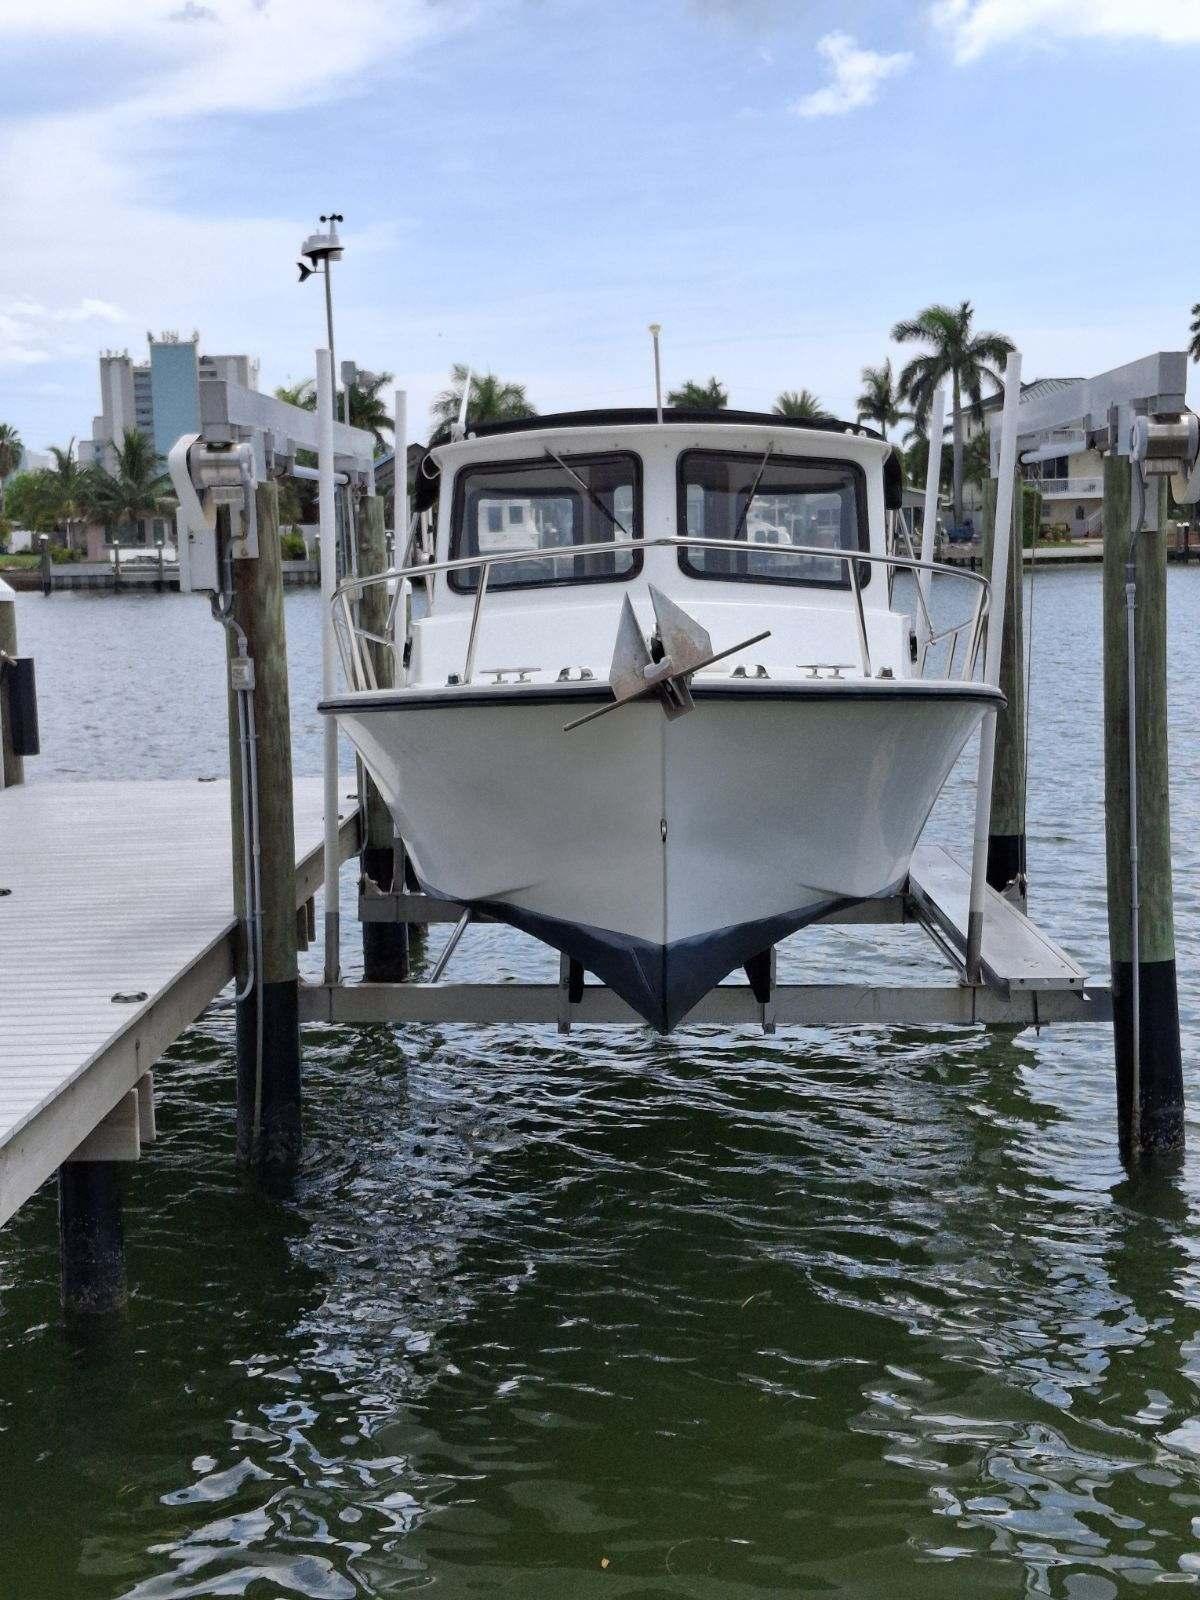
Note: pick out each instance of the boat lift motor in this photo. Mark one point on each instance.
(1169, 447)
(205, 478)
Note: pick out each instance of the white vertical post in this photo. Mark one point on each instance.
(933, 478)
(655, 333)
(328, 524)
(400, 476)
(998, 595)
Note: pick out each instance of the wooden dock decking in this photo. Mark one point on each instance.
(116, 931)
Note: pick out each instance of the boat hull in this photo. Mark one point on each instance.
(662, 854)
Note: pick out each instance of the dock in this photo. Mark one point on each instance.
(138, 573)
(1184, 547)
(111, 948)
(116, 931)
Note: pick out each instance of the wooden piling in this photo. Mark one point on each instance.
(1006, 856)
(46, 565)
(385, 944)
(1158, 1126)
(12, 765)
(91, 1238)
(268, 1094)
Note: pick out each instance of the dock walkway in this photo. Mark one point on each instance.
(116, 931)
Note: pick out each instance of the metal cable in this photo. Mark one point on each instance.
(222, 610)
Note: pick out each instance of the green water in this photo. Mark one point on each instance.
(844, 1313)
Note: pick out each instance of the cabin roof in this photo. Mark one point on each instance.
(647, 416)
(455, 451)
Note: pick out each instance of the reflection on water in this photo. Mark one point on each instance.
(850, 1312)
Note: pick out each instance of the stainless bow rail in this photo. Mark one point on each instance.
(354, 640)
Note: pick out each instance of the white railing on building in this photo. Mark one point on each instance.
(1074, 488)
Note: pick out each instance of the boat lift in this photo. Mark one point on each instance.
(1005, 970)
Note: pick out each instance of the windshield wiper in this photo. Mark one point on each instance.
(591, 494)
(762, 467)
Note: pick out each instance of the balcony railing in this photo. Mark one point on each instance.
(1070, 488)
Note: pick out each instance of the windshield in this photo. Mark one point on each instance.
(554, 503)
(769, 503)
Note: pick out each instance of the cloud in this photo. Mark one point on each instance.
(105, 221)
(975, 26)
(31, 333)
(746, 13)
(248, 56)
(855, 77)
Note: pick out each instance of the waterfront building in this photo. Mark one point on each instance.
(1069, 475)
(160, 397)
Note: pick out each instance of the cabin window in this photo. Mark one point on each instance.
(567, 506)
(772, 506)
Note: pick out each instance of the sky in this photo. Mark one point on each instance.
(528, 183)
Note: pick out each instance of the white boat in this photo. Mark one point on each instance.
(606, 569)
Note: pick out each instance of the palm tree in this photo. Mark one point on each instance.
(298, 394)
(11, 451)
(76, 485)
(693, 396)
(968, 358)
(1194, 347)
(135, 490)
(801, 405)
(492, 399)
(367, 408)
(880, 399)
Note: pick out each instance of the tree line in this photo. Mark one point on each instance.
(71, 494)
(53, 498)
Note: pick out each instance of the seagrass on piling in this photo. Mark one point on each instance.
(1159, 1123)
(268, 1092)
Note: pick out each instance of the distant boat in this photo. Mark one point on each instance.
(709, 605)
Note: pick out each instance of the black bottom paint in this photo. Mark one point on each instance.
(385, 944)
(1161, 1060)
(91, 1242)
(278, 1152)
(661, 982)
(1005, 859)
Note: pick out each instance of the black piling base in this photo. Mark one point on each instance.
(1005, 860)
(1161, 1060)
(385, 944)
(276, 1153)
(90, 1238)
